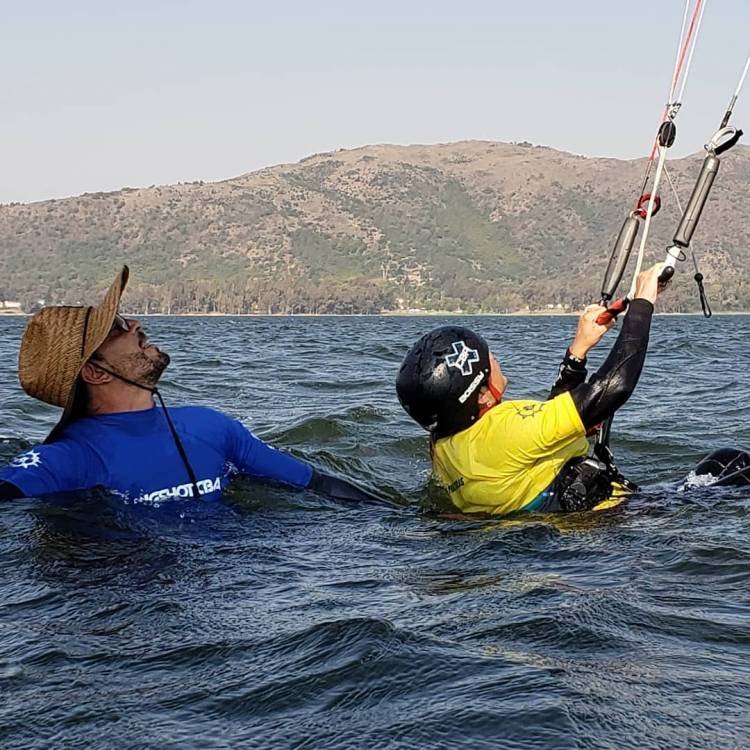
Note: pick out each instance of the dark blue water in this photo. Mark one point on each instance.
(281, 620)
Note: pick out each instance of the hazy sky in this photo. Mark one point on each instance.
(101, 95)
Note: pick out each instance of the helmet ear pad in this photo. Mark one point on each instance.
(441, 377)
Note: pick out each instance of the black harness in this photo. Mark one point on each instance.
(582, 484)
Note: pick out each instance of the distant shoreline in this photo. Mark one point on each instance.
(391, 314)
(413, 314)
(410, 314)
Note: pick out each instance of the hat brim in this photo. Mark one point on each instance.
(100, 321)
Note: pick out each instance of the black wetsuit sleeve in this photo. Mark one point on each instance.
(9, 491)
(570, 374)
(341, 489)
(611, 386)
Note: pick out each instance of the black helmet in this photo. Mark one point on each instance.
(440, 378)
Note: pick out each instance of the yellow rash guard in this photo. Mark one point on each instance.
(511, 454)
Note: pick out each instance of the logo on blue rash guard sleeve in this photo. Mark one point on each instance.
(26, 460)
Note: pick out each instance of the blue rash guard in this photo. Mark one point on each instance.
(133, 453)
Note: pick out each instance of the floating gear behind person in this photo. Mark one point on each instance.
(441, 377)
(725, 466)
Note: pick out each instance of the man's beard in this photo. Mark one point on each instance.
(149, 370)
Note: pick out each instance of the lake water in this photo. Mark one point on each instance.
(282, 620)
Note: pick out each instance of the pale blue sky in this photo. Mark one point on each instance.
(101, 95)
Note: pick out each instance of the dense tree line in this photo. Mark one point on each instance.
(277, 296)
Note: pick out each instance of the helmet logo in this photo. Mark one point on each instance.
(463, 358)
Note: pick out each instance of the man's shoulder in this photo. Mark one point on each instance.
(75, 439)
(192, 411)
(203, 417)
(214, 428)
(75, 430)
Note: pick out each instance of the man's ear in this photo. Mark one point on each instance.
(94, 375)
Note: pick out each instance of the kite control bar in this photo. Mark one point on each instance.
(722, 140)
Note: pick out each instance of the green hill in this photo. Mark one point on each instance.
(472, 226)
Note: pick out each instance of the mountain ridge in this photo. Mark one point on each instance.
(476, 226)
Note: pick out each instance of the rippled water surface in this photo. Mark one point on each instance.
(282, 620)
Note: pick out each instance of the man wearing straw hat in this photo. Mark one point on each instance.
(102, 370)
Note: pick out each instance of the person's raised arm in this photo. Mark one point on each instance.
(572, 371)
(611, 386)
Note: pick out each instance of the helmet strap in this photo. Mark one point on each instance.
(495, 393)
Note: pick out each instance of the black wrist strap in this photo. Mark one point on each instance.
(575, 363)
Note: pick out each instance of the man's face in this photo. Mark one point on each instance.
(127, 351)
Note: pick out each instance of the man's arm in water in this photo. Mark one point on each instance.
(343, 490)
(256, 458)
(62, 466)
(9, 491)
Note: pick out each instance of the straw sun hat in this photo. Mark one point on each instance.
(57, 343)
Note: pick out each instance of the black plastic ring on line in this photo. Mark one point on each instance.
(721, 148)
(667, 133)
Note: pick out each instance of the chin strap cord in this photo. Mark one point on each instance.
(178, 443)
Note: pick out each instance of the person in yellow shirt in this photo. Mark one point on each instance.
(498, 457)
